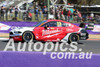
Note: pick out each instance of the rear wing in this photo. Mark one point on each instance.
(89, 26)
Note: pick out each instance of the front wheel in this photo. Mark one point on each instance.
(73, 38)
(27, 36)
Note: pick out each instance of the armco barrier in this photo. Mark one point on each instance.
(35, 59)
(5, 27)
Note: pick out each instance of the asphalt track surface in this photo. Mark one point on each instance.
(86, 46)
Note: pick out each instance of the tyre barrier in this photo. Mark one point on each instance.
(37, 59)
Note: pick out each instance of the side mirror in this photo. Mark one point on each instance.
(46, 26)
(90, 26)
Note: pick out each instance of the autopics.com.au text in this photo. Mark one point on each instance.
(56, 50)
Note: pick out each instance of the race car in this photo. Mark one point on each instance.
(50, 30)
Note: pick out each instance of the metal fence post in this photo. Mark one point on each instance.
(48, 2)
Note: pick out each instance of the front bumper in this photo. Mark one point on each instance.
(16, 38)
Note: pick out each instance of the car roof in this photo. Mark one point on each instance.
(57, 20)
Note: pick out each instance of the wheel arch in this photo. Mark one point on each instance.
(67, 36)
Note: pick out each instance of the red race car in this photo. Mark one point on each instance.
(50, 30)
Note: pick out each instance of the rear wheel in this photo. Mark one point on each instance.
(73, 38)
(28, 36)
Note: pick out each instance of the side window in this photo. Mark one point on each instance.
(53, 24)
(46, 24)
(62, 24)
(50, 24)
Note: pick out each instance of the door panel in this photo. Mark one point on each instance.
(53, 32)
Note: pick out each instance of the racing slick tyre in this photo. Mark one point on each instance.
(73, 38)
(27, 36)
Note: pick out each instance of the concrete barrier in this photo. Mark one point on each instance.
(37, 59)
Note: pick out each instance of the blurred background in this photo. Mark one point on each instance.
(74, 11)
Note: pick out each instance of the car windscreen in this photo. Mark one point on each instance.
(39, 23)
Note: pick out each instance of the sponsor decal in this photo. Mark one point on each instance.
(51, 28)
(52, 35)
(96, 28)
(47, 32)
(72, 26)
(69, 29)
(4, 27)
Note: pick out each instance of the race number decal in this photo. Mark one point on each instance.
(59, 24)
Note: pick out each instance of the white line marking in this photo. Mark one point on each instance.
(4, 38)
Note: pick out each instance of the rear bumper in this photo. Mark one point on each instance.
(85, 36)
